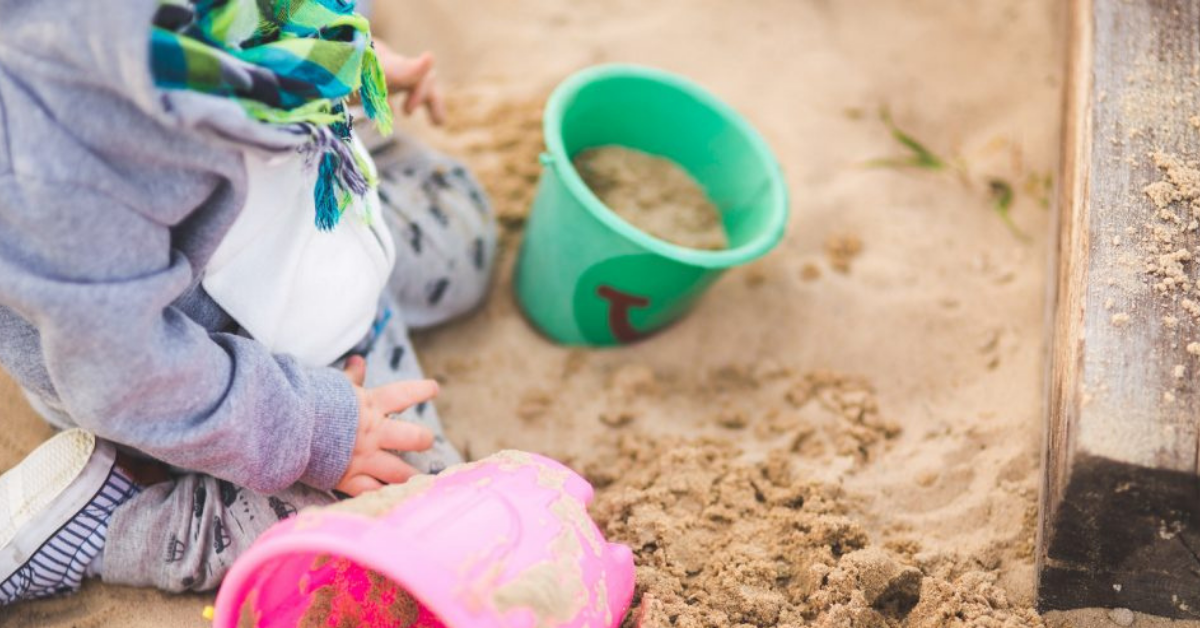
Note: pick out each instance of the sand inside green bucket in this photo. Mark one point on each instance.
(653, 194)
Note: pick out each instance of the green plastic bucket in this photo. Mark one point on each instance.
(585, 276)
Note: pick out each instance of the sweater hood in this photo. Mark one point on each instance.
(99, 43)
(105, 45)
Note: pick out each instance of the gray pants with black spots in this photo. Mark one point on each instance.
(185, 533)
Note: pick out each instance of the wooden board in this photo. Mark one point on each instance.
(1120, 517)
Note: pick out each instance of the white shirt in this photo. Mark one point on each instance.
(294, 288)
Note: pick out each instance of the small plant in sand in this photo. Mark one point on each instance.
(1002, 199)
(918, 155)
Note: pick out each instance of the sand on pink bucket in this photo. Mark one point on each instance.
(503, 541)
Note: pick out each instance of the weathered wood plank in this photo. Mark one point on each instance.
(1120, 519)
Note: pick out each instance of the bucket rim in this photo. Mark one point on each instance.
(236, 588)
(749, 251)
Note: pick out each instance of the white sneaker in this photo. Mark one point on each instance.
(54, 512)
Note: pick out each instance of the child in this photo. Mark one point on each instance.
(207, 281)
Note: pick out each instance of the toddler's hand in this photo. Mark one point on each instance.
(415, 77)
(372, 464)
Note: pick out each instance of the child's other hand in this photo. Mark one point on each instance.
(372, 464)
(415, 77)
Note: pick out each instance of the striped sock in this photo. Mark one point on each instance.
(59, 565)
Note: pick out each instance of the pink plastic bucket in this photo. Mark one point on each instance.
(505, 542)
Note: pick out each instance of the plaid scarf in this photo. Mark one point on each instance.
(290, 63)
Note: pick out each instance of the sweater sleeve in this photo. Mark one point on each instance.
(98, 281)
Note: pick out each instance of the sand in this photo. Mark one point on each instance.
(725, 543)
(653, 194)
(389, 604)
(903, 392)
(1166, 260)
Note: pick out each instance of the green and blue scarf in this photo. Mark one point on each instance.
(288, 63)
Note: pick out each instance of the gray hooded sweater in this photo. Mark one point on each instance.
(113, 197)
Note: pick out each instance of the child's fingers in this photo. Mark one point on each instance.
(359, 484)
(407, 73)
(355, 369)
(436, 106)
(388, 468)
(399, 396)
(420, 93)
(405, 436)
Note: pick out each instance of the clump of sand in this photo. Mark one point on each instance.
(721, 542)
(654, 194)
(1167, 252)
(841, 249)
(1176, 199)
(501, 139)
(387, 602)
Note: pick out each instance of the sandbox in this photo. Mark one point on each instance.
(851, 426)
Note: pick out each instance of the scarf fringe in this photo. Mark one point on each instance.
(374, 91)
(328, 210)
(342, 173)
